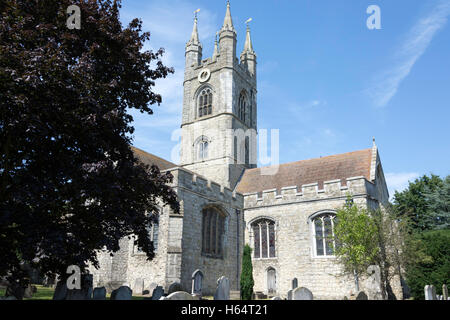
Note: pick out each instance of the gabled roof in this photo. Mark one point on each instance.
(340, 166)
(151, 159)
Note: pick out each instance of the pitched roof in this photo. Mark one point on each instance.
(340, 166)
(151, 159)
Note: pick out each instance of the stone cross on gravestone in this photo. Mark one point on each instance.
(294, 283)
(197, 282)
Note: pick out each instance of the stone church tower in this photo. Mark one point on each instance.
(219, 107)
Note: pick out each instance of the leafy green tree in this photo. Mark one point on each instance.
(69, 182)
(247, 282)
(413, 203)
(438, 204)
(436, 269)
(356, 238)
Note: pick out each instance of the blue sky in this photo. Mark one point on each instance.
(324, 79)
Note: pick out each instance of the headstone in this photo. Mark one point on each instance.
(99, 293)
(174, 287)
(373, 283)
(345, 298)
(223, 289)
(123, 293)
(289, 294)
(60, 292)
(138, 287)
(113, 285)
(276, 298)
(197, 283)
(85, 293)
(430, 292)
(15, 290)
(180, 295)
(294, 283)
(302, 293)
(444, 292)
(28, 293)
(158, 292)
(361, 296)
(149, 289)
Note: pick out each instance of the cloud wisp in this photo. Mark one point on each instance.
(416, 43)
(399, 181)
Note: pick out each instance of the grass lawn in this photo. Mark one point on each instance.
(45, 293)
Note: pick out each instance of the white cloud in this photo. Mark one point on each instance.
(414, 46)
(399, 181)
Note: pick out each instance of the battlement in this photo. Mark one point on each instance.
(196, 183)
(306, 192)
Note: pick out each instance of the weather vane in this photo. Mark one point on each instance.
(248, 21)
(195, 13)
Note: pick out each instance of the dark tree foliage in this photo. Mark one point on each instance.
(435, 271)
(247, 282)
(70, 184)
(413, 203)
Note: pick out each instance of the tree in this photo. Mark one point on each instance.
(412, 202)
(356, 240)
(247, 282)
(438, 204)
(70, 184)
(436, 269)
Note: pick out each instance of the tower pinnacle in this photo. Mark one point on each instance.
(194, 35)
(228, 22)
(248, 47)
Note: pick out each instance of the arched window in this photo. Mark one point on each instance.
(323, 232)
(213, 230)
(263, 238)
(153, 232)
(242, 106)
(205, 102)
(202, 149)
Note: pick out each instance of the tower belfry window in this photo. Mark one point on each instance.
(242, 107)
(205, 102)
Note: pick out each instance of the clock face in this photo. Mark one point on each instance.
(204, 75)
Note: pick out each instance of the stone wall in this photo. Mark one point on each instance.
(295, 258)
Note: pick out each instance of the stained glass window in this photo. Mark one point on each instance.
(257, 251)
(264, 238)
(205, 103)
(213, 229)
(324, 236)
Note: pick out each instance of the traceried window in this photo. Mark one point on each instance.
(153, 231)
(323, 229)
(213, 230)
(205, 102)
(242, 106)
(263, 238)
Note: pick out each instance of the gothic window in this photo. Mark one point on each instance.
(247, 151)
(202, 149)
(213, 229)
(242, 106)
(153, 232)
(263, 238)
(205, 102)
(323, 230)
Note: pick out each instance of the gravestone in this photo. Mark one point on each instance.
(430, 292)
(60, 291)
(294, 283)
(138, 287)
(99, 293)
(276, 298)
(28, 293)
(372, 286)
(180, 295)
(174, 287)
(223, 289)
(149, 289)
(85, 293)
(289, 294)
(302, 293)
(361, 296)
(123, 293)
(157, 293)
(444, 292)
(197, 282)
(113, 285)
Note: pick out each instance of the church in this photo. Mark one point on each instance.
(284, 212)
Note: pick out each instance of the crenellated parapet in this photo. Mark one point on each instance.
(355, 186)
(190, 181)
